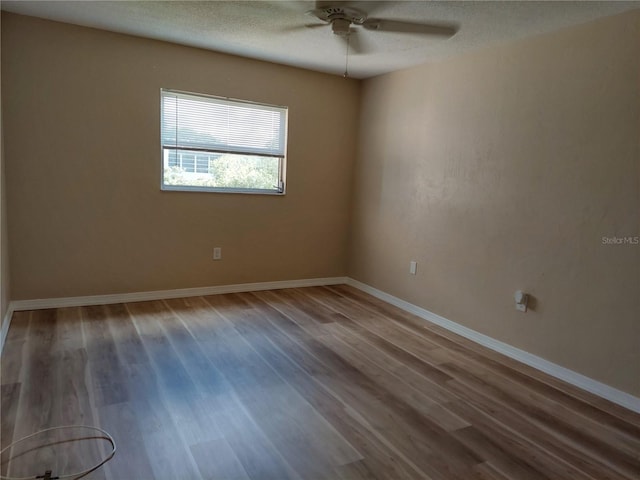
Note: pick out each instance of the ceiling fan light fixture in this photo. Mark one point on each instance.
(341, 26)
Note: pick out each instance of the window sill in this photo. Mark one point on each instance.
(247, 191)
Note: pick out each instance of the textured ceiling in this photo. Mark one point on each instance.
(273, 30)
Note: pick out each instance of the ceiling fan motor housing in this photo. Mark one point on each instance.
(329, 14)
(340, 18)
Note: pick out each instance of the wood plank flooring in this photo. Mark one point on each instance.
(307, 383)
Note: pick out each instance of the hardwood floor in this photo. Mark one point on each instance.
(310, 383)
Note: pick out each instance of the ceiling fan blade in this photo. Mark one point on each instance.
(397, 26)
(298, 28)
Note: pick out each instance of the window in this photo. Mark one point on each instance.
(222, 145)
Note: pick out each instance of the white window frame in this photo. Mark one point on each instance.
(279, 189)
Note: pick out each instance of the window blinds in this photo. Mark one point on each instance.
(213, 124)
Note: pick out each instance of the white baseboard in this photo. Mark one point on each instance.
(5, 325)
(585, 383)
(41, 303)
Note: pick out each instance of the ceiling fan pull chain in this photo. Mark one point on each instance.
(346, 61)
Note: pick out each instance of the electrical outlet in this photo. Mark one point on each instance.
(217, 253)
(413, 267)
(522, 300)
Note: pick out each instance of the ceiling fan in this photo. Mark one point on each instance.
(342, 18)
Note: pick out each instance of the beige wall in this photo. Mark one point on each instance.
(82, 151)
(501, 170)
